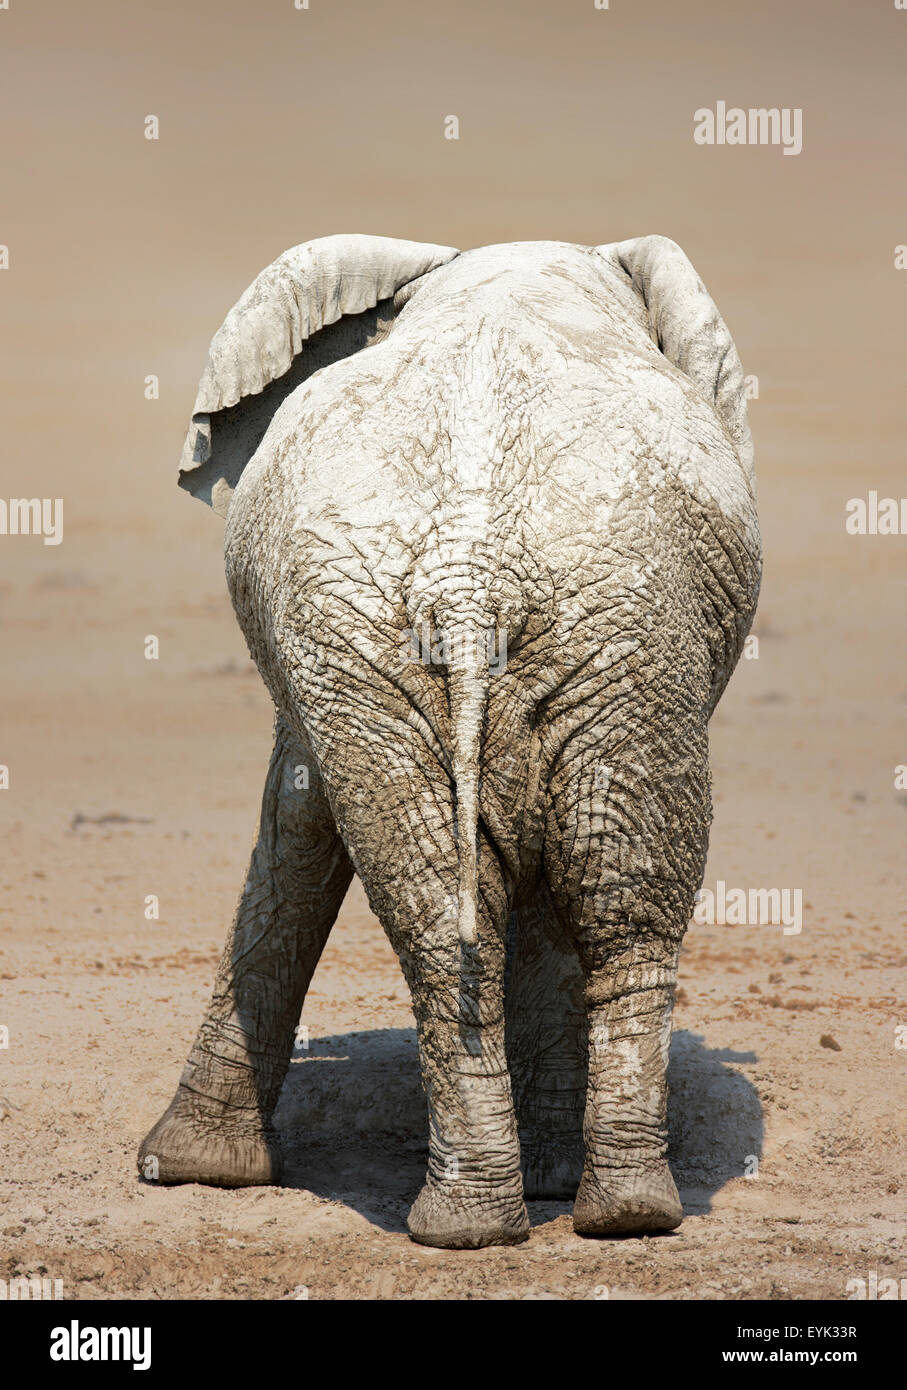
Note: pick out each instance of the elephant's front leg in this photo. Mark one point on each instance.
(217, 1128)
(546, 1047)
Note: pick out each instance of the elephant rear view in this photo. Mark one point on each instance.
(491, 538)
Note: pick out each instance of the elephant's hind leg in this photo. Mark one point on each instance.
(396, 808)
(624, 864)
(217, 1128)
(627, 1185)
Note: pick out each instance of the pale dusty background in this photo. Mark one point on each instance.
(278, 126)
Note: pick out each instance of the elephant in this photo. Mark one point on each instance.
(491, 537)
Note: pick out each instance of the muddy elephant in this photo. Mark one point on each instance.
(491, 538)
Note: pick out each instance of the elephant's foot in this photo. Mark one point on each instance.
(551, 1167)
(197, 1140)
(620, 1201)
(460, 1220)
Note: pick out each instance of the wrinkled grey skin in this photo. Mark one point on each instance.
(549, 441)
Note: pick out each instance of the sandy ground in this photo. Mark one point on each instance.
(131, 777)
(134, 777)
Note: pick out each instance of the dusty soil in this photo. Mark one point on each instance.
(131, 778)
(157, 794)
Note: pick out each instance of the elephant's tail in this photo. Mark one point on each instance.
(467, 692)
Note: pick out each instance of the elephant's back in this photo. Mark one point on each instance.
(510, 445)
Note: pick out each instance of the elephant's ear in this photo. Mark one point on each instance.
(315, 304)
(688, 328)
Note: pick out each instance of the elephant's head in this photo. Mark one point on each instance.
(327, 299)
(316, 303)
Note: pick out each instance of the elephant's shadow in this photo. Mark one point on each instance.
(353, 1125)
